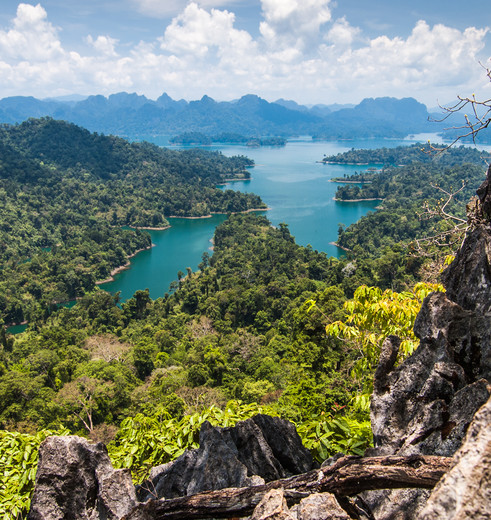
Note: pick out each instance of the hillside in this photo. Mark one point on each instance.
(413, 185)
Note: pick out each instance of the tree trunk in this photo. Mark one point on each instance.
(348, 476)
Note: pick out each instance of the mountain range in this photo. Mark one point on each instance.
(134, 116)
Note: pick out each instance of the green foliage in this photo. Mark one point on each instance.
(373, 315)
(405, 155)
(246, 336)
(147, 441)
(326, 436)
(409, 185)
(198, 138)
(18, 465)
(236, 331)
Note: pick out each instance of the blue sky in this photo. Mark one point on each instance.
(312, 51)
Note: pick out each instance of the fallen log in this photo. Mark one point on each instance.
(348, 476)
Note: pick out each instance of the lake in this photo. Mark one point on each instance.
(290, 180)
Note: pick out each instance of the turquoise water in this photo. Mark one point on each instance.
(293, 184)
(17, 329)
(176, 248)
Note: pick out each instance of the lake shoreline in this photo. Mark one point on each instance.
(345, 249)
(127, 265)
(338, 181)
(162, 228)
(293, 187)
(15, 324)
(356, 200)
(227, 181)
(123, 267)
(345, 163)
(210, 215)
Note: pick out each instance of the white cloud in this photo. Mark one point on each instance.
(169, 8)
(103, 44)
(438, 56)
(301, 54)
(342, 34)
(293, 22)
(31, 36)
(197, 32)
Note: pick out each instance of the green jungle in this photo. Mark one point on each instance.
(264, 325)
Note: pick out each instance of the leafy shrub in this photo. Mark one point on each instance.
(18, 463)
(325, 436)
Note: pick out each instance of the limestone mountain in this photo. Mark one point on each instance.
(135, 115)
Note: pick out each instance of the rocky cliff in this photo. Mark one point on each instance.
(425, 405)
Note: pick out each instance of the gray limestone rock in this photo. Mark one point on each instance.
(214, 465)
(464, 493)
(285, 443)
(425, 405)
(259, 449)
(75, 480)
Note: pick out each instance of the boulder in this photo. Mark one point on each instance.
(318, 506)
(76, 481)
(273, 507)
(258, 450)
(321, 506)
(214, 465)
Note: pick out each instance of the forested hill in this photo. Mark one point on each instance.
(66, 193)
(413, 186)
(404, 155)
(238, 329)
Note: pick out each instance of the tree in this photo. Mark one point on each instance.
(373, 315)
(136, 307)
(84, 397)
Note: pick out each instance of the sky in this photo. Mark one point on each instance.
(310, 51)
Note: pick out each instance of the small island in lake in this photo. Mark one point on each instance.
(365, 177)
(198, 138)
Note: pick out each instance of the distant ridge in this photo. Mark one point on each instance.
(133, 115)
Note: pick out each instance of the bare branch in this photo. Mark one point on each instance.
(478, 121)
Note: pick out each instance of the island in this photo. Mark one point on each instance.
(201, 139)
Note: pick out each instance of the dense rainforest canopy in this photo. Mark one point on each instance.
(66, 196)
(193, 138)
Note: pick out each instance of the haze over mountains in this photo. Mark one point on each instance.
(135, 115)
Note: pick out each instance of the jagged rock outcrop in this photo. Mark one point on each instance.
(464, 493)
(259, 449)
(425, 405)
(76, 481)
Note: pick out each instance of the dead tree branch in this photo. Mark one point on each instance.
(479, 119)
(458, 226)
(348, 476)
